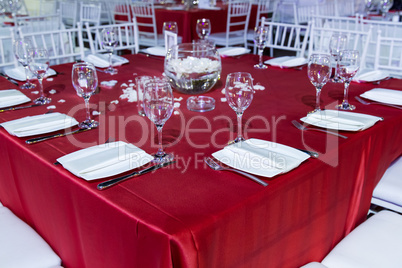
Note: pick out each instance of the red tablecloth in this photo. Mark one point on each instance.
(187, 215)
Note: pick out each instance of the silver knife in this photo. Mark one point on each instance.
(9, 79)
(39, 139)
(107, 184)
(311, 153)
(19, 107)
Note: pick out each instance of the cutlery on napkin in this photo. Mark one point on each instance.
(104, 160)
(261, 157)
(38, 124)
(11, 97)
(384, 95)
(341, 120)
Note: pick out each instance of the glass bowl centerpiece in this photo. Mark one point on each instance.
(192, 68)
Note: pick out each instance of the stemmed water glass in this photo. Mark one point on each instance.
(239, 94)
(203, 28)
(38, 64)
(21, 47)
(109, 42)
(337, 43)
(85, 81)
(158, 106)
(319, 72)
(349, 63)
(260, 39)
(385, 6)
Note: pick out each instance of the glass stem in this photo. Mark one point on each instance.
(346, 92)
(336, 68)
(239, 126)
(42, 94)
(26, 72)
(317, 98)
(110, 59)
(160, 149)
(260, 52)
(87, 109)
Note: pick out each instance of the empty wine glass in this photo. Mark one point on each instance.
(158, 106)
(203, 28)
(319, 72)
(349, 63)
(85, 81)
(38, 64)
(21, 47)
(260, 39)
(170, 26)
(109, 42)
(239, 94)
(385, 6)
(337, 43)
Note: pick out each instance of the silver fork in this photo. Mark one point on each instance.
(378, 103)
(303, 128)
(215, 166)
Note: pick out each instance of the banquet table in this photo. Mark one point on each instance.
(186, 214)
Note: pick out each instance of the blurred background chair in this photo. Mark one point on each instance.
(7, 58)
(121, 11)
(69, 13)
(236, 25)
(144, 14)
(21, 246)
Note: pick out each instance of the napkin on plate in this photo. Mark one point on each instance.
(11, 97)
(38, 124)
(370, 75)
(341, 120)
(102, 60)
(287, 61)
(262, 158)
(156, 51)
(384, 95)
(104, 160)
(18, 73)
(233, 51)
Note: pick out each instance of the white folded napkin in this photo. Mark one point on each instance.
(262, 158)
(233, 51)
(390, 96)
(370, 75)
(38, 124)
(341, 120)
(287, 61)
(104, 160)
(18, 73)
(11, 97)
(102, 60)
(156, 51)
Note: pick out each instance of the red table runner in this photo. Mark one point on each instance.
(187, 215)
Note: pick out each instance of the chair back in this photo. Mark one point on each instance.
(389, 54)
(265, 9)
(335, 22)
(121, 11)
(286, 11)
(60, 44)
(127, 35)
(7, 58)
(237, 22)
(357, 40)
(90, 13)
(144, 14)
(287, 36)
(39, 23)
(69, 13)
(344, 8)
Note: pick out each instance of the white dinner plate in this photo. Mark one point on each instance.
(341, 120)
(260, 157)
(233, 51)
(102, 60)
(18, 73)
(287, 61)
(155, 51)
(12, 97)
(390, 96)
(368, 75)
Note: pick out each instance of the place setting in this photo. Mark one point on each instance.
(253, 156)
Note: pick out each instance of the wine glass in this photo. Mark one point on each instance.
(109, 42)
(319, 72)
(38, 64)
(158, 106)
(85, 81)
(337, 43)
(260, 39)
(203, 28)
(21, 47)
(385, 6)
(349, 62)
(239, 94)
(170, 26)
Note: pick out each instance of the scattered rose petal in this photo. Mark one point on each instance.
(51, 107)
(95, 113)
(49, 79)
(178, 99)
(124, 85)
(130, 94)
(176, 112)
(61, 101)
(223, 99)
(52, 91)
(258, 87)
(35, 92)
(114, 102)
(131, 85)
(177, 105)
(223, 91)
